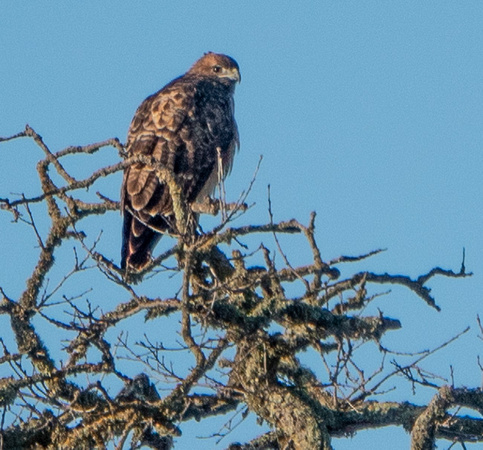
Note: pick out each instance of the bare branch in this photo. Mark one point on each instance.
(239, 320)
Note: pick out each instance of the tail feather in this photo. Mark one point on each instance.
(138, 241)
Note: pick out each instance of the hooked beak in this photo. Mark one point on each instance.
(234, 74)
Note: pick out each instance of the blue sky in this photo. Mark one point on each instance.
(369, 113)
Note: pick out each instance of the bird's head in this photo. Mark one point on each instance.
(216, 65)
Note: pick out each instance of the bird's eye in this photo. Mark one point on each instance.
(217, 69)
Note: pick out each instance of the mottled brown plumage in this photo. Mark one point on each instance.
(187, 126)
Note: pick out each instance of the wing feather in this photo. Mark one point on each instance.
(141, 197)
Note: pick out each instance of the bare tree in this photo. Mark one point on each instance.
(243, 323)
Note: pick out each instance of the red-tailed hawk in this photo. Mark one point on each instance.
(188, 126)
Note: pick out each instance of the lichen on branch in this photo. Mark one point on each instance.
(243, 314)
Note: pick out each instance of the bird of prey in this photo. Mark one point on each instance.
(189, 128)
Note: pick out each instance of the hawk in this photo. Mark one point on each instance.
(189, 128)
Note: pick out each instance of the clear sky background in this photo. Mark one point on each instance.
(368, 112)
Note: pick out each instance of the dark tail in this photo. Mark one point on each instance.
(138, 242)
